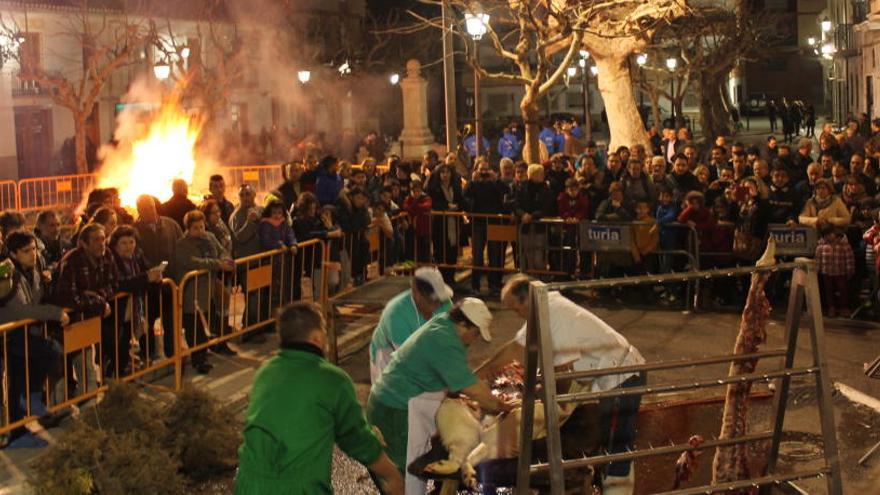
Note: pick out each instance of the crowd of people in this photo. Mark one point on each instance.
(795, 116)
(426, 212)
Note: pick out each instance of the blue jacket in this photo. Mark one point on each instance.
(272, 237)
(548, 137)
(470, 145)
(668, 236)
(509, 146)
(327, 187)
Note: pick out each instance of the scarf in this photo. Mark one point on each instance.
(821, 204)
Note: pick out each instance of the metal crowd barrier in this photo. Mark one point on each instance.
(61, 192)
(143, 332)
(263, 178)
(217, 306)
(89, 352)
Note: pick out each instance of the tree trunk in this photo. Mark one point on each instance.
(655, 109)
(615, 84)
(678, 105)
(714, 117)
(82, 163)
(531, 116)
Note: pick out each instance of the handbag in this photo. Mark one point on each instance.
(746, 246)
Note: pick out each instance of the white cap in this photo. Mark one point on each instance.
(431, 276)
(476, 311)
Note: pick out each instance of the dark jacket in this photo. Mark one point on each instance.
(352, 219)
(78, 273)
(157, 240)
(534, 199)
(783, 204)
(609, 213)
(327, 186)
(682, 184)
(53, 249)
(438, 199)
(274, 237)
(25, 300)
(197, 253)
(485, 196)
(176, 208)
(638, 189)
(287, 193)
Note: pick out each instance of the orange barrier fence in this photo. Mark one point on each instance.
(63, 191)
(8, 195)
(47, 367)
(218, 305)
(263, 178)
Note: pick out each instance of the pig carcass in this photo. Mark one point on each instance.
(471, 437)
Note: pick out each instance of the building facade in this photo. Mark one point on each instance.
(36, 132)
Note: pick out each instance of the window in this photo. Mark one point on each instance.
(29, 54)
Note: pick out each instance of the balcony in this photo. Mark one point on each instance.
(23, 88)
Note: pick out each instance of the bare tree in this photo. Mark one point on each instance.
(712, 42)
(539, 39)
(206, 66)
(107, 40)
(659, 82)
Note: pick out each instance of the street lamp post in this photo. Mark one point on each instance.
(477, 25)
(641, 60)
(671, 64)
(585, 94)
(449, 79)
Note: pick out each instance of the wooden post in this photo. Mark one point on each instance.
(823, 382)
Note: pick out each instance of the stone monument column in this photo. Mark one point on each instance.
(416, 136)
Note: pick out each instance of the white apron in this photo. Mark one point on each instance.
(422, 426)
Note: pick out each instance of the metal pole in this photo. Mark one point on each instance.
(449, 80)
(588, 120)
(672, 98)
(642, 94)
(478, 133)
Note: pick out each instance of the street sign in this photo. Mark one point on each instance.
(794, 241)
(605, 237)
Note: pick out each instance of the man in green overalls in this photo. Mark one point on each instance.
(300, 406)
(432, 359)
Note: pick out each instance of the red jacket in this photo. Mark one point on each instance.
(705, 225)
(576, 207)
(419, 210)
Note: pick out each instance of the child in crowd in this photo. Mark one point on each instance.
(573, 206)
(645, 237)
(700, 218)
(666, 213)
(418, 206)
(835, 264)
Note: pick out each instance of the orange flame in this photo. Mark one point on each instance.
(165, 152)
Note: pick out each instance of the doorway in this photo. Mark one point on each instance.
(33, 139)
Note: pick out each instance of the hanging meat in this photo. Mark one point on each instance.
(731, 463)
